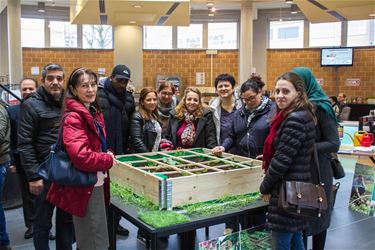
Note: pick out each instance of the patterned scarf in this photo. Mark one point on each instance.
(188, 135)
(269, 148)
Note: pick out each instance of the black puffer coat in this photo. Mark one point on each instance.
(294, 145)
(143, 133)
(37, 130)
(327, 142)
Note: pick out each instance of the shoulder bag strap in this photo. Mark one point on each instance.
(59, 137)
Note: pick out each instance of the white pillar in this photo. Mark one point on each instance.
(246, 42)
(14, 41)
(4, 69)
(128, 50)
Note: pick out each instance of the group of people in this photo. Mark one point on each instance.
(338, 103)
(246, 122)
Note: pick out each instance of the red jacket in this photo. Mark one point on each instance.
(82, 143)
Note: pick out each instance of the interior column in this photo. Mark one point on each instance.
(14, 41)
(246, 42)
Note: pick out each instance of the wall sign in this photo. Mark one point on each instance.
(199, 78)
(353, 82)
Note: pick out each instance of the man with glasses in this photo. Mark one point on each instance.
(37, 131)
(117, 105)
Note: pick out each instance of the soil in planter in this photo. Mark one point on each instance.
(198, 158)
(129, 158)
(190, 167)
(143, 164)
(180, 153)
(215, 163)
(158, 170)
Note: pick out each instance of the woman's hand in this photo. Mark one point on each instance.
(218, 150)
(111, 154)
(259, 157)
(265, 197)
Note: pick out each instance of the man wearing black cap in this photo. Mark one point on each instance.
(117, 105)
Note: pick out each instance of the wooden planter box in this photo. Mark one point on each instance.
(174, 178)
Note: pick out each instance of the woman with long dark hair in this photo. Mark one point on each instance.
(84, 141)
(287, 155)
(145, 126)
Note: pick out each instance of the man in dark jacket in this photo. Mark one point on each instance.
(117, 105)
(37, 130)
(27, 87)
(4, 165)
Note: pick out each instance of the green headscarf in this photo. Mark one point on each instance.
(314, 91)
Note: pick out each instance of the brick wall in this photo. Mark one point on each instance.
(69, 59)
(186, 63)
(282, 60)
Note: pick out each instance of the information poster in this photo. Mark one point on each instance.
(362, 197)
(245, 240)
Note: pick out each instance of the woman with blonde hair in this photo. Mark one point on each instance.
(191, 124)
(145, 125)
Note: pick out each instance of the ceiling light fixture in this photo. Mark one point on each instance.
(41, 7)
(211, 14)
(210, 4)
(132, 22)
(213, 9)
(137, 6)
(289, 1)
(372, 15)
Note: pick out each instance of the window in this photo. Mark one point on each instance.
(222, 36)
(325, 34)
(361, 33)
(97, 36)
(63, 34)
(190, 37)
(157, 37)
(286, 34)
(32, 32)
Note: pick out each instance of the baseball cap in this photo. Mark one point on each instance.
(121, 72)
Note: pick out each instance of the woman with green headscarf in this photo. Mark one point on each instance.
(327, 142)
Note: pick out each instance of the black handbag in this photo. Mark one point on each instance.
(337, 169)
(303, 199)
(58, 167)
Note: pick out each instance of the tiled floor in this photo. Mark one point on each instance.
(349, 230)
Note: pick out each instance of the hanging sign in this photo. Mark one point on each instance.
(353, 82)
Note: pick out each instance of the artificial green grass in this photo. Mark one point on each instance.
(221, 205)
(158, 219)
(129, 197)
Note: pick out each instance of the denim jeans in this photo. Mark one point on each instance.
(287, 241)
(43, 223)
(4, 238)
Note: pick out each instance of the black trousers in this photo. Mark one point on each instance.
(28, 201)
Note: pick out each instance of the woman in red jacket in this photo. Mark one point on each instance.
(82, 129)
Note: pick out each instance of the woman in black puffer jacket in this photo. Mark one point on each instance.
(287, 155)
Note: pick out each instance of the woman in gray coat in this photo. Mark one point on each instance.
(327, 142)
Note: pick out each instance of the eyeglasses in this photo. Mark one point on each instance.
(51, 78)
(166, 93)
(249, 99)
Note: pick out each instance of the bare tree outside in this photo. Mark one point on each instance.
(97, 36)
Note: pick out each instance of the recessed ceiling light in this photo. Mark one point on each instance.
(372, 14)
(211, 14)
(138, 6)
(210, 4)
(132, 22)
(288, 1)
(213, 9)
